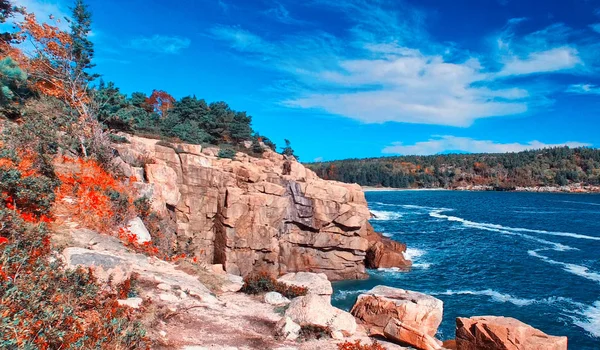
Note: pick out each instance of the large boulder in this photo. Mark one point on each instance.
(401, 315)
(314, 310)
(401, 332)
(138, 229)
(503, 333)
(315, 283)
(107, 267)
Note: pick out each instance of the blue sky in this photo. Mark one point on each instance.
(346, 79)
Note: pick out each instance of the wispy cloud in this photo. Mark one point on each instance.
(281, 14)
(595, 27)
(160, 44)
(585, 89)
(386, 67)
(441, 144)
(553, 60)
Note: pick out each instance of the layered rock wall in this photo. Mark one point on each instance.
(248, 213)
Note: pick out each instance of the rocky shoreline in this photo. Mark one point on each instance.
(245, 217)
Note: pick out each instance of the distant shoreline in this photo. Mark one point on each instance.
(391, 189)
(545, 189)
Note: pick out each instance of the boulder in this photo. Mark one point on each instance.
(403, 333)
(385, 253)
(314, 310)
(139, 230)
(503, 333)
(107, 267)
(287, 329)
(315, 283)
(419, 311)
(275, 298)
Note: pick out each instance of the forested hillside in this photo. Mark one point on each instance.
(547, 167)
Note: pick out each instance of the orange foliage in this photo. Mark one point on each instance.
(161, 102)
(357, 345)
(86, 192)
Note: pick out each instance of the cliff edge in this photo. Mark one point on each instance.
(268, 213)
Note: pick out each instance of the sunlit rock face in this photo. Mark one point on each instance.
(265, 213)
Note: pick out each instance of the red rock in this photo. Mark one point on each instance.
(503, 333)
(403, 333)
(419, 314)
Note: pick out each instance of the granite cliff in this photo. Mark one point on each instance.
(247, 213)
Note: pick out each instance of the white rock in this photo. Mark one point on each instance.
(163, 286)
(137, 227)
(316, 283)
(315, 310)
(131, 302)
(275, 298)
(287, 329)
(168, 297)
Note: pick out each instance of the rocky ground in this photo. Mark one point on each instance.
(180, 311)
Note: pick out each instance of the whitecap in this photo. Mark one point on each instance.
(494, 227)
(423, 266)
(591, 323)
(578, 270)
(344, 294)
(577, 202)
(381, 215)
(413, 253)
(506, 298)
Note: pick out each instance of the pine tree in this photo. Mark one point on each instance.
(83, 48)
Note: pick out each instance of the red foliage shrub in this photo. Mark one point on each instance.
(357, 345)
(93, 196)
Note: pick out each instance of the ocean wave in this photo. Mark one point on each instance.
(576, 202)
(413, 253)
(381, 215)
(578, 270)
(506, 298)
(591, 319)
(494, 227)
(423, 266)
(345, 294)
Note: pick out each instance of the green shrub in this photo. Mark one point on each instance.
(117, 138)
(263, 282)
(226, 153)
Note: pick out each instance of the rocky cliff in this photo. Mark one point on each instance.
(247, 213)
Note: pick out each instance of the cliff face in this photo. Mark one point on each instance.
(265, 213)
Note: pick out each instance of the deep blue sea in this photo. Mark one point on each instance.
(531, 256)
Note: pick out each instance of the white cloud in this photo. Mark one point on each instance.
(584, 89)
(447, 143)
(553, 60)
(386, 67)
(595, 27)
(160, 43)
(318, 159)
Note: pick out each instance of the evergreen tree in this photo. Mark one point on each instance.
(83, 48)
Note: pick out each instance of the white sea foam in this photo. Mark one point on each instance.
(423, 266)
(382, 215)
(505, 230)
(344, 294)
(494, 227)
(578, 270)
(413, 253)
(591, 321)
(577, 202)
(506, 298)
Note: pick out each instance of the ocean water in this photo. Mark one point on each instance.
(534, 257)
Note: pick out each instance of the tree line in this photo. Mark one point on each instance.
(557, 166)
